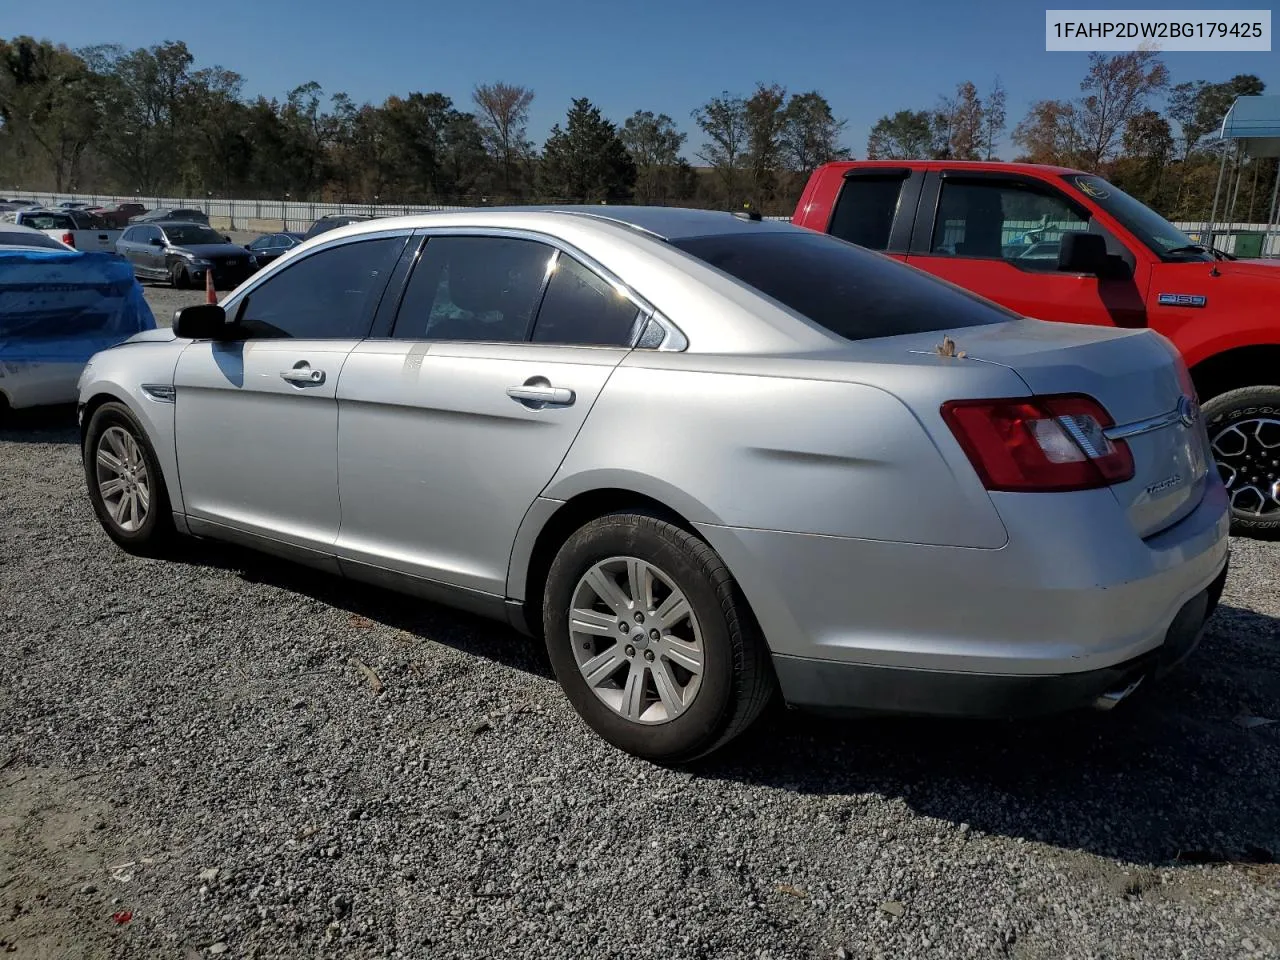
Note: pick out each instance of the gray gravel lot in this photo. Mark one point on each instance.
(197, 743)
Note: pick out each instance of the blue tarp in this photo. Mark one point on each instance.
(63, 306)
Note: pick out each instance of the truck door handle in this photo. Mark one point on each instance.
(538, 392)
(302, 375)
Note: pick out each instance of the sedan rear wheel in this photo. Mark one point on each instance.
(126, 487)
(1244, 432)
(652, 640)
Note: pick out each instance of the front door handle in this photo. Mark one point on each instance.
(302, 375)
(538, 392)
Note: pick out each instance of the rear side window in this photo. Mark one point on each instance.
(474, 288)
(582, 309)
(850, 291)
(865, 210)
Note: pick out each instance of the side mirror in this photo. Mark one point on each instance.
(226, 238)
(201, 321)
(1081, 252)
(156, 242)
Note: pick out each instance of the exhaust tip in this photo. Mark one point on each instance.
(1108, 700)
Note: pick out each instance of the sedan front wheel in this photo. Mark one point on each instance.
(652, 640)
(126, 487)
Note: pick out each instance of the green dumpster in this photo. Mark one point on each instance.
(1248, 245)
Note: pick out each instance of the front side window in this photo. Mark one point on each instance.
(854, 293)
(329, 295)
(1003, 220)
(474, 288)
(865, 210)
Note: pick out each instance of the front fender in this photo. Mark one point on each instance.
(119, 374)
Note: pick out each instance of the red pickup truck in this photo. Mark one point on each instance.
(1064, 245)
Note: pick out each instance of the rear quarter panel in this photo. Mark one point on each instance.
(750, 443)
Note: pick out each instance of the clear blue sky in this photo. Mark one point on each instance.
(660, 55)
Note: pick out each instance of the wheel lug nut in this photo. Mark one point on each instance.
(639, 617)
(631, 651)
(654, 635)
(648, 655)
(623, 626)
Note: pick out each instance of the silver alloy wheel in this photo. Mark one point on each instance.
(1248, 458)
(636, 640)
(122, 478)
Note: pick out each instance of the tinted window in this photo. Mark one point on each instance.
(473, 288)
(329, 295)
(192, 233)
(865, 211)
(852, 292)
(581, 308)
(1003, 221)
(1144, 223)
(15, 238)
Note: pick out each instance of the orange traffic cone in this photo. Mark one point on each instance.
(210, 294)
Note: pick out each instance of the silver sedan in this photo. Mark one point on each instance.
(707, 459)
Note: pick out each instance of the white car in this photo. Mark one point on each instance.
(27, 238)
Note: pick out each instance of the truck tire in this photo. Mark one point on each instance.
(1244, 432)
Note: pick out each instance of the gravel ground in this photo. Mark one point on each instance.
(197, 760)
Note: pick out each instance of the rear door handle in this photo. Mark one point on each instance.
(541, 393)
(302, 375)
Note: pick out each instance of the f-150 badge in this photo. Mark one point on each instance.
(1182, 300)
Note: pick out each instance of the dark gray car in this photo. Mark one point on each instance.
(183, 253)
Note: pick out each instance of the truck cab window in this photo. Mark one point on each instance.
(996, 220)
(865, 210)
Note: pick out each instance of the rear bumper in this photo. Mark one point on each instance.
(1069, 608)
(828, 686)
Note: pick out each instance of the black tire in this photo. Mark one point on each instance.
(156, 530)
(1241, 408)
(179, 279)
(737, 679)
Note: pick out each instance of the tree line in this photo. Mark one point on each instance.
(149, 121)
(1168, 159)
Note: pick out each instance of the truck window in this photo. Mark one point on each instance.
(1002, 220)
(865, 210)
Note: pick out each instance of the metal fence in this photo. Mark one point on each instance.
(267, 215)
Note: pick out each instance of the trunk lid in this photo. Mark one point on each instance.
(1140, 380)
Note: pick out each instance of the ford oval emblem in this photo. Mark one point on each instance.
(1188, 411)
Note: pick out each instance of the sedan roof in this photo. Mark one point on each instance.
(668, 223)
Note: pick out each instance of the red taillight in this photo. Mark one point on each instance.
(69, 239)
(1039, 443)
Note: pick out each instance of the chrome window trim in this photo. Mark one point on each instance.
(675, 339)
(232, 303)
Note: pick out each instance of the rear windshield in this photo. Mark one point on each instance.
(854, 293)
(13, 238)
(48, 221)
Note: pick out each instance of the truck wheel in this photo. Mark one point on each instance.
(178, 277)
(1244, 431)
(652, 640)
